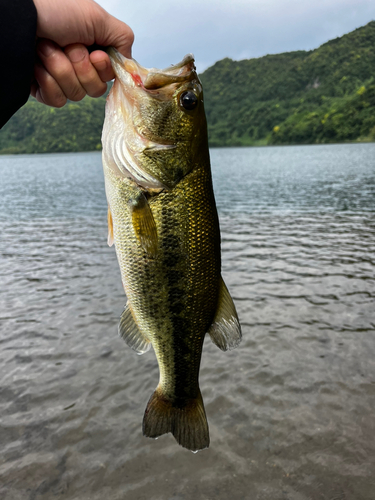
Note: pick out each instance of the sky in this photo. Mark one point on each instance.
(166, 30)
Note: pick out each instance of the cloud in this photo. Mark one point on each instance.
(213, 29)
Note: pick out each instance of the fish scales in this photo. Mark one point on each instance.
(169, 291)
(167, 241)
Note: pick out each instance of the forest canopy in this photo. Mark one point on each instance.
(324, 95)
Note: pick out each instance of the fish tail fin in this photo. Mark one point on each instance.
(187, 421)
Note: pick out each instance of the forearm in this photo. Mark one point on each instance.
(18, 24)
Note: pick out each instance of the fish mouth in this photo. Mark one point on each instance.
(151, 78)
(125, 139)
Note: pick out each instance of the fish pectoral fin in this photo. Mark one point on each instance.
(144, 224)
(129, 331)
(110, 239)
(225, 330)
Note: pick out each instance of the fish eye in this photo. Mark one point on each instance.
(188, 100)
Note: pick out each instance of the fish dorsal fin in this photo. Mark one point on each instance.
(225, 330)
(110, 240)
(144, 224)
(129, 331)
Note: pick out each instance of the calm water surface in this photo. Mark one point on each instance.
(291, 411)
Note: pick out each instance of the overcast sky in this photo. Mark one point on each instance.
(166, 30)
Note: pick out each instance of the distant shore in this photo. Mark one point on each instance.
(322, 96)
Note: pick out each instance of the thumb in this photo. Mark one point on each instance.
(117, 34)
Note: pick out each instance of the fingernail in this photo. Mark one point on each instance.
(101, 65)
(76, 55)
(46, 48)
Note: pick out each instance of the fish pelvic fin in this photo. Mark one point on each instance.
(110, 239)
(129, 331)
(225, 330)
(186, 420)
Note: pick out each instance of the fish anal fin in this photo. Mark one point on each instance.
(129, 331)
(187, 421)
(110, 240)
(144, 224)
(225, 330)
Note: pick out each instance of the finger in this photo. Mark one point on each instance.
(101, 62)
(112, 31)
(48, 91)
(60, 68)
(86, 73)
(122, 36)
(34, 87)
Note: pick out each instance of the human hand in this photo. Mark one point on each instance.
(65, 69)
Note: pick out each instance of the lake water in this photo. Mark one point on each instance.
(291, 411)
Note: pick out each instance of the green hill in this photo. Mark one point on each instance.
(324, 95)
(319, 96)
(37, 128)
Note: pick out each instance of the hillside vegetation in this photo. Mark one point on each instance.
(36, 128)
(303, 97)
(325, 95)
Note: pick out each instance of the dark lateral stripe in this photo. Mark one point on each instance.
(186, 355)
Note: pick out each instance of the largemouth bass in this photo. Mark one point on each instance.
(162, 218)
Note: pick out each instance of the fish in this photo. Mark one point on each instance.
(163, 221)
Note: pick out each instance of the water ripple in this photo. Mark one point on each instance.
(291, 411)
